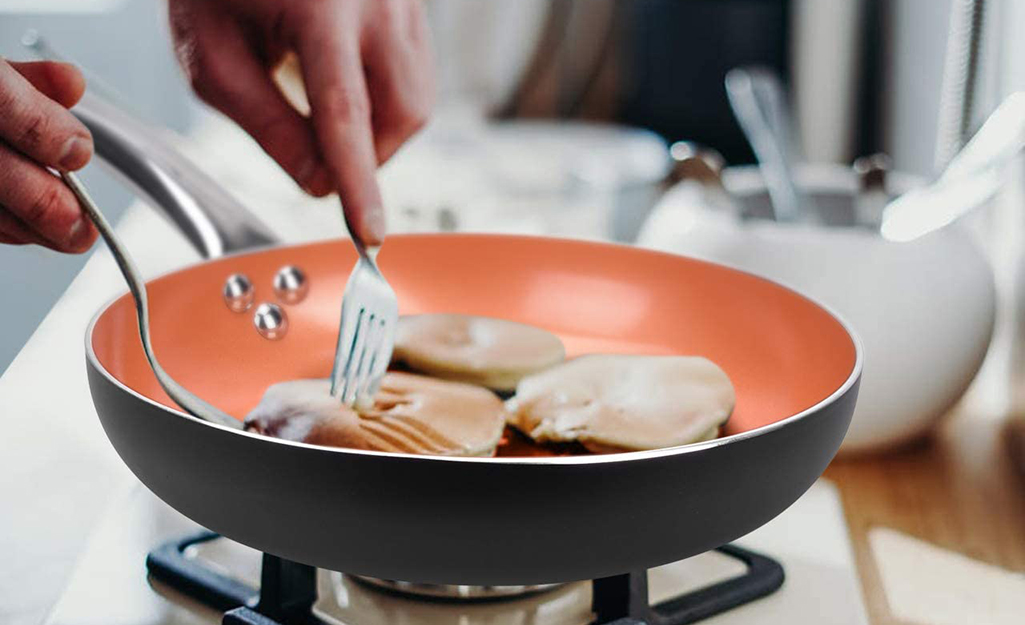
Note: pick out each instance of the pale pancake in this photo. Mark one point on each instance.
(410, 414)
(620, 403)
(495, 353)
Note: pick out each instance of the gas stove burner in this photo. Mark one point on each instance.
(453, 592)
(288, 590)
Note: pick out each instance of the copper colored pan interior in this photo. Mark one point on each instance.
(782, 352)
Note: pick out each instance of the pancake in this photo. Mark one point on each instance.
(410, 414)
(495, 353)
(612, 403)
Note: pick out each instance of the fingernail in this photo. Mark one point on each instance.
(375, 227)
(79, 236)
(75, 154)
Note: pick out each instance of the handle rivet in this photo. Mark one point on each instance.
(290, 284)
(270, 321)
(238, 292)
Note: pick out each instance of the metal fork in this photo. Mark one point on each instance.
(366, 335)
(192, 404)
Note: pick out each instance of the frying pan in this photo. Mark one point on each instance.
(486, 521)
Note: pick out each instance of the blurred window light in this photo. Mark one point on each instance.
(54, 7)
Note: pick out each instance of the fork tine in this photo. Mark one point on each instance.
(354, 358)
(370, 356)
(359, 374)
(348, 332)
(366, 334)
(368, 382)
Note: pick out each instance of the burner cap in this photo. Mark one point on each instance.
(453, 592)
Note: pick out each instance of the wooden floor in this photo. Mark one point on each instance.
(962, 489)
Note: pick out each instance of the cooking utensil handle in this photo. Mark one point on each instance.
(213, 221)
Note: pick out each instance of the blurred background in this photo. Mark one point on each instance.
(655, 64)
(863, 76)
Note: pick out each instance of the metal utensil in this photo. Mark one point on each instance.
(872, 198)
(181, 396)
(366, 336)
(972, 177)
(760, 105)
(960, 75)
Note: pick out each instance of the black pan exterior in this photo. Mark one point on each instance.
(470, 521)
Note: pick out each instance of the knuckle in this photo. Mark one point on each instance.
(204, 73)
(44, 205)
(202, 83)
(342, 106)
(300, 15)
(273, 127)
(417, 124)
(419, 114)
(409, 124)
(390, 13)
(278, 137)
(8, 100)
(412, 114)
(34, 130)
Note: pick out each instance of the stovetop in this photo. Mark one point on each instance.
(110, 584)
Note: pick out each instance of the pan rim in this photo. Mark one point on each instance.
(650, 454)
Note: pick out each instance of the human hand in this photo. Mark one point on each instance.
(368, 77)
(37, 132)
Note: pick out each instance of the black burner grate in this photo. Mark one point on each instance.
(288, 590)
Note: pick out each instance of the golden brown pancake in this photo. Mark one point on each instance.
(624, 403)
(410, 414)
(495, 353)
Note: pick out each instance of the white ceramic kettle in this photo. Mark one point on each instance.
(924, 310)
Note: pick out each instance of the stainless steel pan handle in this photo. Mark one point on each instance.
(212, 220)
